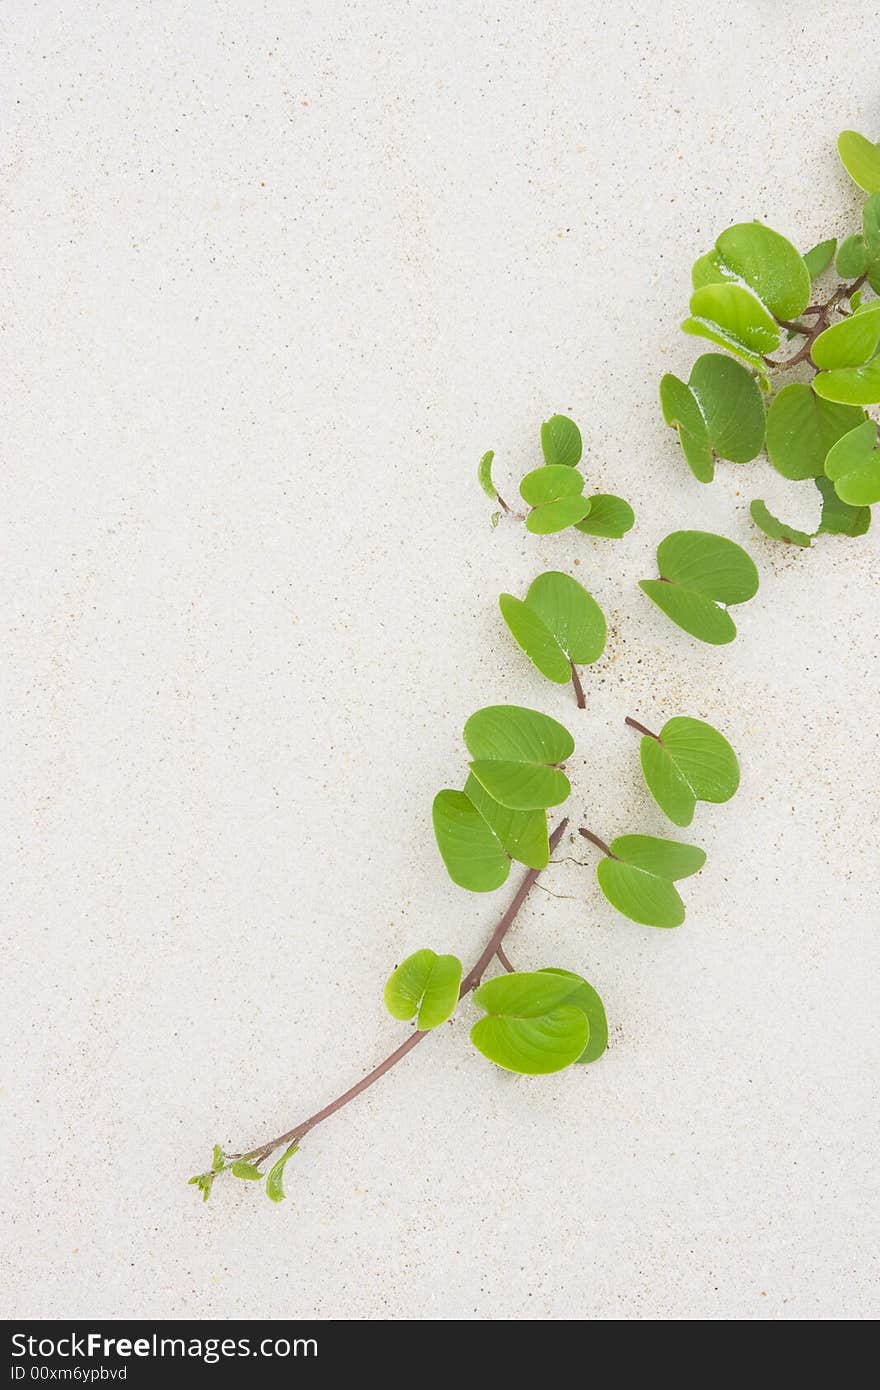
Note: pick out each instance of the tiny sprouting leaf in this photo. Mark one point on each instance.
(204, 1182)
(861, 160)
(852, 257)
(275, 1178)
(585, 997)
(561, 442)
(801, 428)
(639, 879)
(549, 483)
(523, 834)
(218, 1159)
(557, 624)
(249, 1171)
(426, 985)
(850, 343)
(776, 529)
(485, 475)
(689, 761)
(474, 856)
(515, 751)
(851, 385)
(853, 465)
(730, 406)
(839, 518)
(855, 300)
(819, 257)
(731, 316)
(700, 571)
(769, 265)
(609, 516)
(531, 1025)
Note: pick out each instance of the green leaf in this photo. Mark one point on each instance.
(523, 834)
(688, 762)
(819, 257)
(871, 226)
(709, 270)
(681, 410)
(248, 1171)
(485, 476)
(561, 442)
(530, 1028)
(549, 484)
(769, 265)
(701, 571)
(731, 410)
(838, 518)
(557, 516)
(639, 879)
(851, 385)
(861, 159)
(585, 997)
(559, 623)
(776, 529)
(474, 857)
(853, 465)
(801, 428)
(275, 1178)
(218, 1159)
(514, 750)
(204, 1182)
(850, 343)
(733, 317)
(852, 257)
(608, 516)
(425, 984)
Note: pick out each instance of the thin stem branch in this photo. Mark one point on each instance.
(501, 955)
(470, 981)
(822, 312)
(578, 688)
(634, 724)
(594, 839)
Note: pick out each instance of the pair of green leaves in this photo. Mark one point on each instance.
(751, 279)
(501, 814)
(718, 412)
(557, 625)
(555, 492)
(837, 519)
(687, 762)
(638, 877)
(700, 572)
(539, 1021)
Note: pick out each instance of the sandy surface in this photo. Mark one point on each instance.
(280, 274)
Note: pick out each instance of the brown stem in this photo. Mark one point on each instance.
(502, 957)
(594, 839)
(822, 312)
(470, 981)
(578, 688)
(634, 724)
(501, 502)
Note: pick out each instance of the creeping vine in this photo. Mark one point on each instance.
(754, 296)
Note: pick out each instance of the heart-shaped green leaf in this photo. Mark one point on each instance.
(561, 441)
(861, 160)
(426, 985)
(585, 997)
(638, 878)
(839, 518)
(853, 465)
(531, 1026)
(819, 257)
(514, 752)
(801, 428)
(558, 624)
(474, 856)
(700, 571)
(733, 317)
(485, 475)
(557, 516)
(687, 762)
(851, 385)
(609, 516)
(523, 834)
(776, 529)
(550, 483)
(851, 342)
(769, 265)
(730, 406)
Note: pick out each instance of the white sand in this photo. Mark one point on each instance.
(280, 274)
